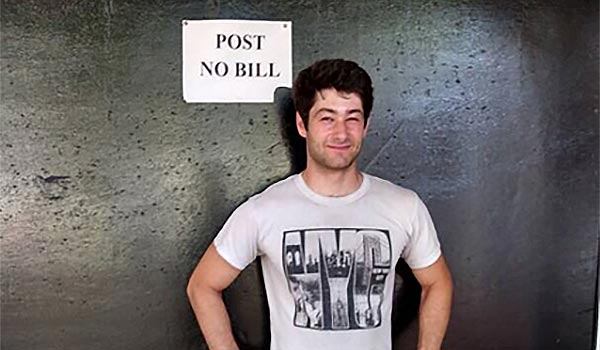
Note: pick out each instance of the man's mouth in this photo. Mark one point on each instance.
(339, 147)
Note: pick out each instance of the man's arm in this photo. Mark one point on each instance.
(436, 298)
(212, 275)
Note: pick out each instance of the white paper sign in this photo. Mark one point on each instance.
(235, 60)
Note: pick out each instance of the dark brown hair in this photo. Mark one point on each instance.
(342, 75)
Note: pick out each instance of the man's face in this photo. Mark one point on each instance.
(336, 129)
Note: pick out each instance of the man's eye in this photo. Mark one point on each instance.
(327, 119)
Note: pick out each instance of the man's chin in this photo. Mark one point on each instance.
(339, 165)
(335, 162)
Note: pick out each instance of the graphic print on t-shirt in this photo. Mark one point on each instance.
(337, 276)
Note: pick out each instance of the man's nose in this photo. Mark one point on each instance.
(340, 131)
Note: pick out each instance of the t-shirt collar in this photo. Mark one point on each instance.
(332, 201)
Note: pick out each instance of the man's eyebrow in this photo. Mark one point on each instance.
(356, 110)
(325, 109)
(333, 111)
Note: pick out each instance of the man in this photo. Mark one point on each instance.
(335, 213)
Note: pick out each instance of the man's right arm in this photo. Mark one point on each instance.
(212, 275)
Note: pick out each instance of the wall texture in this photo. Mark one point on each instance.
(111, 187)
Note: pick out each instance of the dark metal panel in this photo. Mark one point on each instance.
(111, 186)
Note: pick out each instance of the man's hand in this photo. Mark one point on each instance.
(436, 299)
(212, 275)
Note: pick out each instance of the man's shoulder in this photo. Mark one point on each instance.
(277, 191)
(383, 187)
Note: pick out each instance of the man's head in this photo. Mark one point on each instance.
(333, 101)
(341, 75)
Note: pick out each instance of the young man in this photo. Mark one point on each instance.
(328, 238)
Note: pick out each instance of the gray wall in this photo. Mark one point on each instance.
(111, 187)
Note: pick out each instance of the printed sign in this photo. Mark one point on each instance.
(235, 60)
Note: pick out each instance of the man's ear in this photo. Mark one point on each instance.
(300, 125)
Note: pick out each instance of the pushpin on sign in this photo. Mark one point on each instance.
(235, 60)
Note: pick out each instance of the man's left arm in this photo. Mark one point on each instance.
(436, 299)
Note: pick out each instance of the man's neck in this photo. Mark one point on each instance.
(332, 183)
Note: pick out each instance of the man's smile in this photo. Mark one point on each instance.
(339, 147)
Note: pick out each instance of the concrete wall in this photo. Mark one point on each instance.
(111, 187)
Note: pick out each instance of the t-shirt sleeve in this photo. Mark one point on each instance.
(423, 248)
(237, 242)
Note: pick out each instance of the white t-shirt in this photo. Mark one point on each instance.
(328, 262)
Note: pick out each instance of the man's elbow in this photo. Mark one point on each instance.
(445, 280)
(443, 284)
(195, 287)
(191, 288)
(449, 284)
(198, 289)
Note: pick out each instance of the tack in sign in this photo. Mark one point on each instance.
(235, 60)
